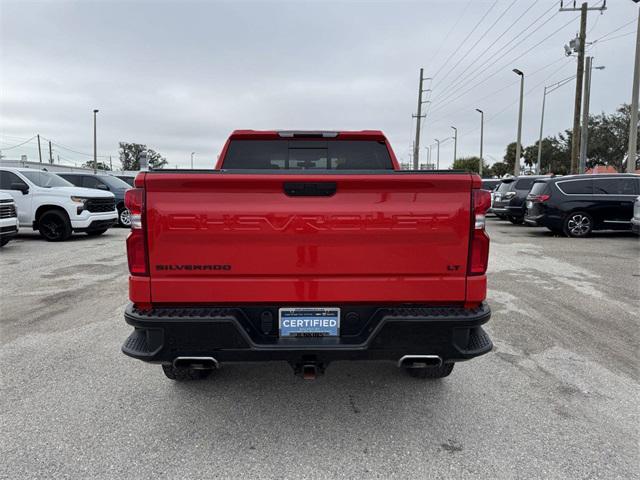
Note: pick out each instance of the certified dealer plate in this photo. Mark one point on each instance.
(309, 322)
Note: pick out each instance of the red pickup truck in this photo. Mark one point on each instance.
(307, 247)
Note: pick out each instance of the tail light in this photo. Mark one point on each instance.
(539, 198)
(136, 241)
(479, 247)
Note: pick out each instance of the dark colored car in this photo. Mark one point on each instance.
(126, 178)
(635, 221)
(509, 200)
(108, 183)
(576, 205)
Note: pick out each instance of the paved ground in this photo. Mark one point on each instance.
(558, 397)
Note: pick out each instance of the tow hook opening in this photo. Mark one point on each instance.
(420, 361)
(196, 363)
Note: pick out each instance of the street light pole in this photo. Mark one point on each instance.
(455, 142)
(633, 127)
(438, 155)
(95, 143)
(481, 139)
(584, 133)
(192, 154)
(516, 164)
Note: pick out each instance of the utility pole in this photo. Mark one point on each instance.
(110, 163)
(455, 142)
(516, 163)
(418, 116)
(582, 38)
(633, 127)
(438, 155)
(192, 154)
(95, 145)
(39, 149)
(50, 153)
(481, 139)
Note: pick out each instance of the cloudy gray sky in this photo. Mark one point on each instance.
(180, 76)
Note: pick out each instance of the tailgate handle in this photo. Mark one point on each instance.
(310, 189)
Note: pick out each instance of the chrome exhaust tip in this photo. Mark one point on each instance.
(420, 361)
(197, 363)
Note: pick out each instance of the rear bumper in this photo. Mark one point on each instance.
(232, 334)
(508, 210)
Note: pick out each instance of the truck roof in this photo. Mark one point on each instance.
(328, 134)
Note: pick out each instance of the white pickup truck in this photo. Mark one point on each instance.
(8, 219)
(49, 204)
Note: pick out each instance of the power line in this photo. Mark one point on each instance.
(501, 69)
(446, 37)
(465, 39)
(476, 43)
(613, 31)
(19, 144)
(461, 78)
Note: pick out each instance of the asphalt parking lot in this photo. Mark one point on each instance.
(557, 398)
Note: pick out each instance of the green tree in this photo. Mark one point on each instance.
(130, 156)
(500, 169)
(469, 164)
(556, 156)
(99, 165)
(510, 156)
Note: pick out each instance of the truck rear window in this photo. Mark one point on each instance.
(307, 155)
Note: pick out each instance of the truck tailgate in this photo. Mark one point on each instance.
(221, 237)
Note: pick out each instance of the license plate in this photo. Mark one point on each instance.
(529, 204)
(309, 322)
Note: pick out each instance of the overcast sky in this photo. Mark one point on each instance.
(180, 76)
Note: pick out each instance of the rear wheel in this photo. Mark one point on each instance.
(182, 374)
(431, 372)
(578, 224)
(516, 220)
(54, 226)
(124, 217)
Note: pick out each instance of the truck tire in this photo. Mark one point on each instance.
(54, 226)
(577, 225)
(431, 372)
(182, 374)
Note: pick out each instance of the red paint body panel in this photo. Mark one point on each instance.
(381, 237)
(139, 289)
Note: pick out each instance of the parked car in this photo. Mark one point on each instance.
(49, 204)
(490, 184)
(510, 198)
(127, 178)
(327, 251)
(635, 221)
(105, 182)
(8, 218)
(576, 205)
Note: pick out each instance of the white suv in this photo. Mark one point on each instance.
(54, 207)
(8, 219)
